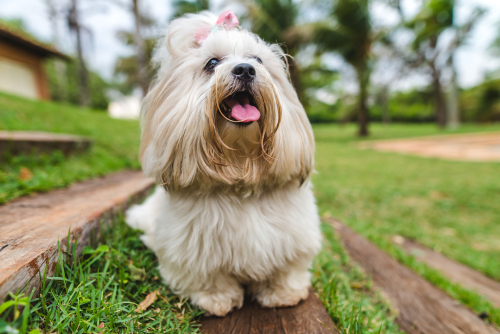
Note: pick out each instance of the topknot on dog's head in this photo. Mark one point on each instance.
(181, 34)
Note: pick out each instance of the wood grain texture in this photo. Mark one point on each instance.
(422, 307)
(308, 317)
(30, 227)
(27, 142)
(456, 272)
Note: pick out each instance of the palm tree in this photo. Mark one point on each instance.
(435, 17)
(349, 33)
(275, 21)
(428, 26)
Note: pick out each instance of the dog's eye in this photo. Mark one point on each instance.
(258, 59)
(210, 66)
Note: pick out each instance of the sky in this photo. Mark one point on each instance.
(105, 18)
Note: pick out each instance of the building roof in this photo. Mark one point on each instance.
(25, 41)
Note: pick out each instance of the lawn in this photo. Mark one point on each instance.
(452, 207)
(115, 145)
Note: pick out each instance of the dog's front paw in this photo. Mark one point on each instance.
(280, 297)
(219, 303)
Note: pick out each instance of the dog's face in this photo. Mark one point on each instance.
(222, 112)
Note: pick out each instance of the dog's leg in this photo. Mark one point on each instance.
(142, 216)
(286, 287)
(219, 296)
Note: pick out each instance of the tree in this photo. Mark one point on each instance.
(129, 66)
(276, 21)
(435, 17)
(349, 33)
(142, 60)
(139, 73)
(76, 27)
(429, 51)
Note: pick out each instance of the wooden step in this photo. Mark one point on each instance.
(455, 272)
(30, 227)
(308, 317)
(422, 307)
(27, 142)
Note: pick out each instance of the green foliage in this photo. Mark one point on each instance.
(182, 7)
(482, 103)
(128, 67)
(273, 20)
(412, 106)
(435, 17)
(64, 86)
(115, 146)
(349, 33)
(495, 45)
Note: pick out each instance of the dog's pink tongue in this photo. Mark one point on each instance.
(243, 111)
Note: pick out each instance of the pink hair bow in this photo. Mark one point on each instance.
(226, 20)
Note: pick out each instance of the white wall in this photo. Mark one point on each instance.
(18, 78)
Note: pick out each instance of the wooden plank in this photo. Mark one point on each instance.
(26, 142)
(308, 317)
(422, 307)
(30, 227)
(456, 272)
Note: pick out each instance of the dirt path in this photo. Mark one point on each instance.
(422, 307)
(468, 147)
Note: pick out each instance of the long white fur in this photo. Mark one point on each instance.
(227, 214)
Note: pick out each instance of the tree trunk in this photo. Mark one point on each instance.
(82, 70)
(363, 79)
(141, 50)
(59, 65)
(384, 102)
(438, 97)
(453, 111)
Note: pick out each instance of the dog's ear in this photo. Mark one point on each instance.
(187, 32)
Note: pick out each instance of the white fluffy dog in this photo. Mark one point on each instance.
(228, 142)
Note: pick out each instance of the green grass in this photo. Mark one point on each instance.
(105, 286)
(448, 206)
(108, 282)
(452, 207)
(347, 292)
(115, 145)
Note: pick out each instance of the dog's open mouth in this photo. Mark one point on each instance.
(240, 107)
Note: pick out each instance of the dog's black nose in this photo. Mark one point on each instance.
(244, 72)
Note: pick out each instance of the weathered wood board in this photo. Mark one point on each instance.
(456, 272)
(26, 142)
(308, 317)
(30, 227)
(422, 307)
